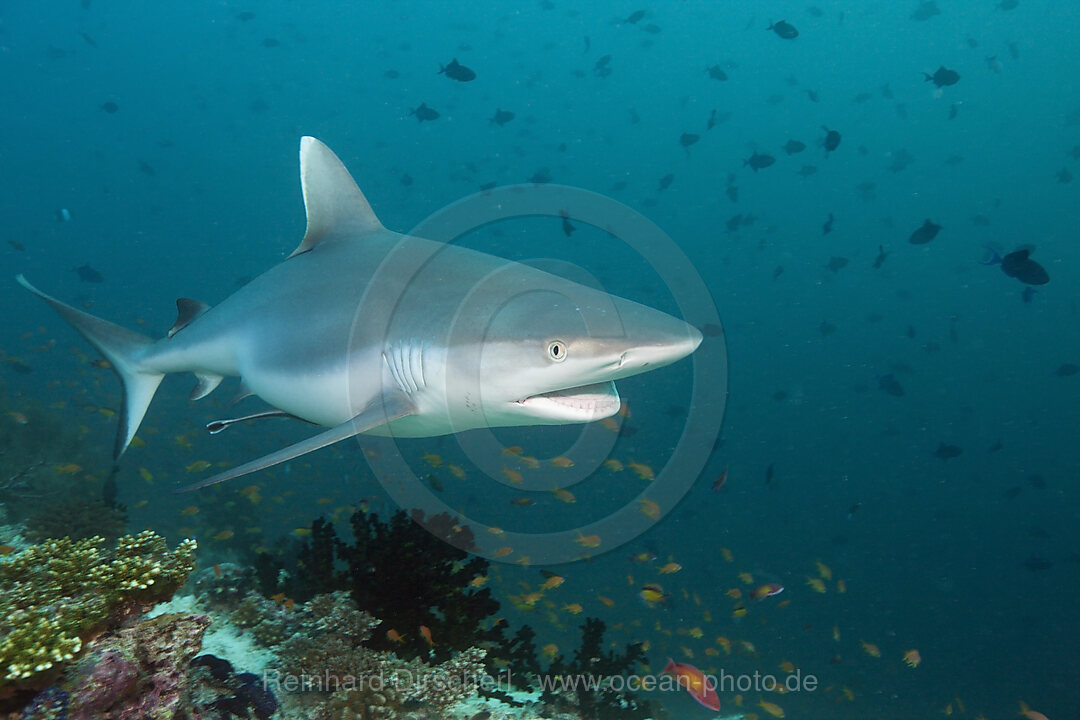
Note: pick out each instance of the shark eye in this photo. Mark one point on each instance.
(557, 350)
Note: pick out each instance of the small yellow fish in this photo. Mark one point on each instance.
(772, 708)
(138, 442)
(301, 531)
(787, 666)
(912, 658)
(871, 649)
(696, 633)
(841, 586)
(670, 569)
(529, 461)
(479, 581)
(456, 471)
(726, 554)
(146, 475)
(513, 450)
(649, 508)
(69, 469)
(19, 418)
(182, 441)
(432, 459)
(573, 608)
(816, 584)
(643, 471)
(589, 541)
(613, 465)
(224, 535)
(608, 602)
(564, 495)
(503, 552)
(549, 651)
(836, 633)
(747, 578)
(562, 462)
(552, 582)
(197, 466)
(823, 570)
(513, 476)
(107, 412)
(724, 643)
(190, 510)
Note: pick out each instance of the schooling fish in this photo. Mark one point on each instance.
(925, 233)
(457, 71)
(793, 147)
(832, 139)
(502, 117)
(784, 30)
(423, 112)
(758, 161)
(943, 77)
(1018, 264)
(89, 274)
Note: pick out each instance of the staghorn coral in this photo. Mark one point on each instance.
(62, 592)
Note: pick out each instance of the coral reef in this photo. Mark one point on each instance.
(77, 515)
(138, 671)
(62, 592)
(603, 702)
(220, 692)
(409, 572)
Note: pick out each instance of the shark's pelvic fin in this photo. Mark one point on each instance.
(123, 349)
(204, 385)
(334, 204)
(377, 413)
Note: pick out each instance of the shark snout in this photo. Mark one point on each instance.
(658, 351)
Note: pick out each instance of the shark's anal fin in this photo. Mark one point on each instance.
(332, 199)
(377, 413)
(205, 384)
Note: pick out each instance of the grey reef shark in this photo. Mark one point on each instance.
(365, 330)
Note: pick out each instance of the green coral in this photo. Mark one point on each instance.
(63, 591)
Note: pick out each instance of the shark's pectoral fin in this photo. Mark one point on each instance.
(377, 413)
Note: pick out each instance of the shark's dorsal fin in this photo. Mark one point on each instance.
(186, 311)
(333, 202)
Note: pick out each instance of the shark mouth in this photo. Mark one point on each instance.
(585, 403)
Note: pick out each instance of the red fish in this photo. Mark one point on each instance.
(701, 687)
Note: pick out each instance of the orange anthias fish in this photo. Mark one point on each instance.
(1029, 713)
(426, 632)
(700, 687)
(718, 483)
(912, 658)
(767, 590)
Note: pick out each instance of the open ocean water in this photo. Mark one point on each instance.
(899, 435)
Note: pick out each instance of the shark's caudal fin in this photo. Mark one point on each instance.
(122, 348)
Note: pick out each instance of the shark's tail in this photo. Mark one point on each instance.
(124, 349)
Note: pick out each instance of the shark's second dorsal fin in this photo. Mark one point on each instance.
(186, 311)
(333, 202)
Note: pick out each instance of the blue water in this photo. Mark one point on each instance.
(190, 186)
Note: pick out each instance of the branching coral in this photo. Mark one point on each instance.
(61, 592)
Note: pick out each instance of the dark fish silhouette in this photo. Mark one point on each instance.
(926, 10)
(943, 77)
(826, 228)
(927, 232)
(1018, 264)
(1008, 4)
(832, 139)
(1067, 370)
(391, 74)
(567, 227)
(688, 139)
(784, 30)
(794, 147)
(457, 71)
(807, 170)
(880, 259)
(717, 73)
(837, 263)
(406, 179)
(423, 112)
(946, 452)
(602, 68)
(541, 176)
(109, 106)
(89, 274)
(665, 182)
(716, 117)
(1035, 563)
(17, 245)
(502, 117)
(271, 43)
(891, 385)
(635, 17)
(826, 328)
(759, 161)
